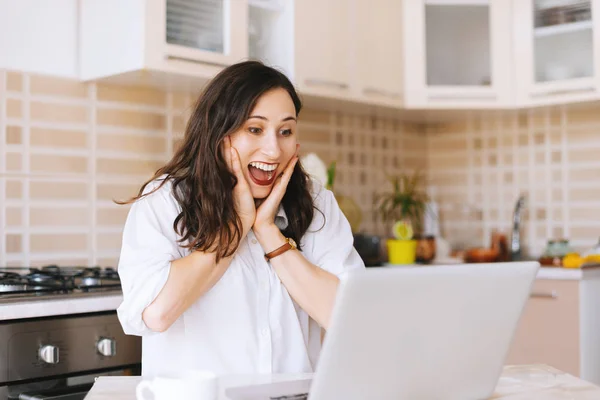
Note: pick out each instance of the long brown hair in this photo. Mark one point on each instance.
(202, 183)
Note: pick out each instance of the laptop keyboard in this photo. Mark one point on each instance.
(300, 396)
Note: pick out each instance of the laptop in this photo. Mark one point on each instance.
(435, 332)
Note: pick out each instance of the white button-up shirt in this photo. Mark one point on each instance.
(247, 323)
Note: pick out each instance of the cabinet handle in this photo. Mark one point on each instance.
(545, 295)
(380, 92)
(323, 82)
(559, 92)
(466, 96)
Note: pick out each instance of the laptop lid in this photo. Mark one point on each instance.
(437, 332)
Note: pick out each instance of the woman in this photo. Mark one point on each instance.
(212, 277)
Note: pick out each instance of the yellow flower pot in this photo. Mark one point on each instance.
(402, 251)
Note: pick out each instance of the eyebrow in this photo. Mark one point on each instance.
(266, 119)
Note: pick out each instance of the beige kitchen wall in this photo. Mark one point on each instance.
(67, 149)
(481, 164)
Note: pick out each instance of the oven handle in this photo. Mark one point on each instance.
(66, 392)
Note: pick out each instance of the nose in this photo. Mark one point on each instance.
(270, 146)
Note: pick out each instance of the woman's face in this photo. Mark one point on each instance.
(267, 141)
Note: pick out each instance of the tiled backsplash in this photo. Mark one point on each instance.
(482, 164)
(67, 149)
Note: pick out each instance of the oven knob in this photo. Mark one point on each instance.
(49, 354)
(107, 347)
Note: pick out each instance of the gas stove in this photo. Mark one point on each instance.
(52, 280)
(58, 356)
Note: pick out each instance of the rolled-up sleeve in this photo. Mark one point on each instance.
(149, 245)
(333, 246)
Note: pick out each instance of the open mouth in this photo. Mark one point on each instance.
(263, 174)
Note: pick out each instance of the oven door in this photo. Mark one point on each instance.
(70, 388)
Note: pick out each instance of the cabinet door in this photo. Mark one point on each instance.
(548, 332)
(206, 31)
(557, 50)
(322, 43)
(379, 55)
(457, 53)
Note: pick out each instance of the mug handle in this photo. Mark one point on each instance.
(139, 390)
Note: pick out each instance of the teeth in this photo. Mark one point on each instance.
(269, 175)
(263, 166)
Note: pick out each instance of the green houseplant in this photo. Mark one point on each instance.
(403, 207)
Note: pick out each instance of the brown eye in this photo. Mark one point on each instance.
(285, 132)
(254, 130)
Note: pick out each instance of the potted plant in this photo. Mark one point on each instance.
(403, 207)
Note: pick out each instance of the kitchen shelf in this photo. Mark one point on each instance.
(554, 30)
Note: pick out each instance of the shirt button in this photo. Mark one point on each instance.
(253, 241)
(265, 332)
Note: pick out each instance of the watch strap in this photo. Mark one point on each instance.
(288, 245)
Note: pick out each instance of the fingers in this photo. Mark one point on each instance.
(284, 178)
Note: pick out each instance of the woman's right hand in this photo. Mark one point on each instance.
(243, 200)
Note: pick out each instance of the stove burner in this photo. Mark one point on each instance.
(55, 279)
(11, 282)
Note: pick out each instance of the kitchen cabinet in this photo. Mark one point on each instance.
(379, 57)
(560, 326)
(557, 51)
(339, 49)
(457, 53)
(310, 40)
(322, 41)
(160, 39)
(39, 37)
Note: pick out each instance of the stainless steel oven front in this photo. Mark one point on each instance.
(59, 357)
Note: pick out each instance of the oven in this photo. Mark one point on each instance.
(49, 355)
(59, 357)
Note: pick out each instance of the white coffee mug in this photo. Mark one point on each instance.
(202, 385)
(162, 388)
(191, 384)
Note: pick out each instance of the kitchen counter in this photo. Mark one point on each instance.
(520, 382)
(568, 274)
(557, 273)
(60, 305)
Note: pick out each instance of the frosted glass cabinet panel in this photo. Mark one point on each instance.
(458, 53)
(557, 50)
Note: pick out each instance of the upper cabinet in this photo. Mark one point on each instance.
(140, 38)
(557, 50)
(379, 58)
(457, 53)
(413, 54)
(308, 40)
(334, 49)
(322, 47)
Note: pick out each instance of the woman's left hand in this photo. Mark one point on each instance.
(265, 214)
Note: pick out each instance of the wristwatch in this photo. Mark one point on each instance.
(290, 244)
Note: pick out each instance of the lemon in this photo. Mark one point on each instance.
(572, 260)
(592, 259)
(403, 230)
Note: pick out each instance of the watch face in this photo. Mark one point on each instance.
(293, 243)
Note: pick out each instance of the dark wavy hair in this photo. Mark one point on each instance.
(202, 183)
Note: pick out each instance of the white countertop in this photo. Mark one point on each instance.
(543, 273)
(520, 382)
(61, 306)
(109, 302)
(568, 273)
